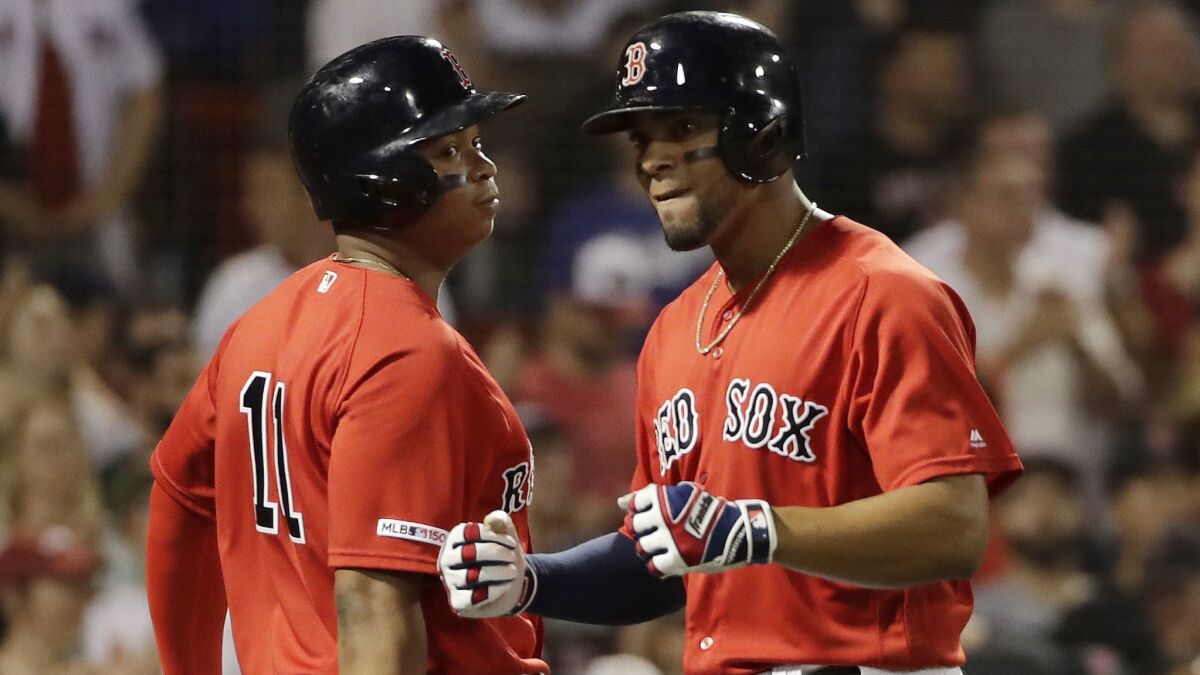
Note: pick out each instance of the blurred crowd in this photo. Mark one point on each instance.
(1041, 156)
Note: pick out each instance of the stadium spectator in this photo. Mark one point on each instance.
(1171, 285)
(234, 41)
(48, 480)
(1133, 151)
(81, 101)
(561, 53)
(1034, 282)
(1048, 55)
(554, 28)
(615, 206)
(45, 582)
(894, 176)
(583, 371)
(1149, 502)
(336, 26)
(14, 282)
(1038, 613)
(162, 363)
(44, 359)
(290, 237)
(118, 636)
(554, 515)
(1173, 597)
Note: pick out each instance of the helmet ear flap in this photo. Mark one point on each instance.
(404, 188)
(767, 141)
(760, 155)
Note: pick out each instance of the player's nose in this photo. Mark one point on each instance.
(483, 167)
(655, 158)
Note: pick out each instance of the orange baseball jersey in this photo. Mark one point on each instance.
(851, 374)
(343, 424)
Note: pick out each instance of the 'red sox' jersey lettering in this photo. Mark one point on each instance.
(759, 417)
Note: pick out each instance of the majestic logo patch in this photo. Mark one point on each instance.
(635, 63)
(759, 417)
(403, 529)
(977, 441)
(518, 487)
(462, 74)
(676, 428)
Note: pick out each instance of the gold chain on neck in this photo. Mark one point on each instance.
(758, 287)
(387, 267)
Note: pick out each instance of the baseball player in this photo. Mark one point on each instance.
(815, 454)
(308, 480)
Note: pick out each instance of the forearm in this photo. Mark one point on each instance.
(602, 581)
(185, 587)
(911, 536)
(381, 629)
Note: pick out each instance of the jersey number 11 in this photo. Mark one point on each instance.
(254, 405)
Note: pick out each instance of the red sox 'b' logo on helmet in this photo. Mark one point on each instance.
(462, 74)
(635, 63)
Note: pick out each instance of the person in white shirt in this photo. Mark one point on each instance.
(1034, 282)
(290, 237)
(80, 96)
(336, 26)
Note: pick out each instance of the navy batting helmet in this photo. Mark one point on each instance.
(354, 127)
(719, 62)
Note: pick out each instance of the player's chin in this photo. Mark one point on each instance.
(683, 229)
(479, 226)
(685, 236)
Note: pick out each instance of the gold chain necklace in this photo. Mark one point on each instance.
(387, 267)
(758, 287)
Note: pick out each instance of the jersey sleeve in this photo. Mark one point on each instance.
(183, 463)
(915, 402)
(399, 460)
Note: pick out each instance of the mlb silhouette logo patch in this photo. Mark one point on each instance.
(418, 532)
(327, 281)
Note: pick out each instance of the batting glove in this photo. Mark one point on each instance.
(682, 528)
(483, 569)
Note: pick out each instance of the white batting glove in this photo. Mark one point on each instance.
(680, 529)
(483, 568)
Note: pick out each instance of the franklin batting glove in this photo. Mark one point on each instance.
(483, 569)
(681, 529)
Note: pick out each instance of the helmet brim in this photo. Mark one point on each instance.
(620, 118)
(472, 110)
